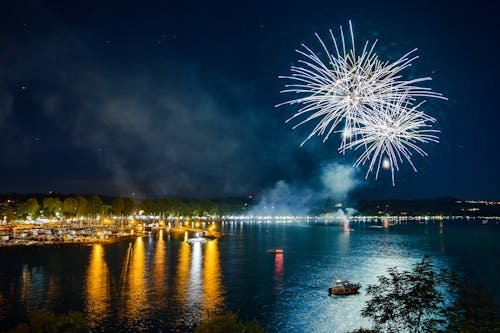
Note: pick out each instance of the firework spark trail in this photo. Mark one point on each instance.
(392, 133)
(363, 93)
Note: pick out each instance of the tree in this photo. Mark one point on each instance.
(31, 208)
(81, 206)
(117, 206)
(122, 206)
(419, 300)
(128, 206)
(51, 206)
(69, 207)
(94, 206)
(147, 206)
(10, 215)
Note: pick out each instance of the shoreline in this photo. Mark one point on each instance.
(53, 236)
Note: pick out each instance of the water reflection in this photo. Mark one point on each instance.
(160, 269)
(33, 286)
(97, 287)
(343, 241)
(134, 286)
(199, 287)
(183, 271)
(26, 286)
(182, 279)
(52, 296)
(183, 283)
(212, 285)
(195, 292)
(278, 270)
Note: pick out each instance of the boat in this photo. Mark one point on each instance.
(275, 251)
(197, 239)
(193, 240)
(344, 287)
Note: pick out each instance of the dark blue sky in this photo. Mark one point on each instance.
(177, 98)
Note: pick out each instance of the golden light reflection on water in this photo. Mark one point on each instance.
(52, 296)
(133, 281)
(212, 285)
(160, 269)
(182, 278)
(97, 287)
(26, 286)
(199, 290)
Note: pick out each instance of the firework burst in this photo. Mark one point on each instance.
(391, 135)
(363, 94)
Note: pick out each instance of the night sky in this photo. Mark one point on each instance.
(177, 98)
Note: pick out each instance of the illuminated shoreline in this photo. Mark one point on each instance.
(67, 233)
(39, 233)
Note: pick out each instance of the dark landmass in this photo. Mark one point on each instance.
(15, 206)
(447, 206)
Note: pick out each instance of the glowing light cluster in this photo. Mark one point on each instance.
(376, 106)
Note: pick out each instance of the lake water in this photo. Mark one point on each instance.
(160, 283)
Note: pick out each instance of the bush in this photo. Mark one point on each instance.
(47, 322)
(228, 323)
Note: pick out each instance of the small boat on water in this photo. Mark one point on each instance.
(197, 239)
(344, 287)
(275, 251)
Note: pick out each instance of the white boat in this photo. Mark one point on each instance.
(197, 239)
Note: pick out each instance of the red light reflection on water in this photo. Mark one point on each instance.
(278, 264)
(278, 270)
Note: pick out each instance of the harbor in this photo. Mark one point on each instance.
(68, 232)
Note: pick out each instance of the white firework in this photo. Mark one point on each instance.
(377, 108)
(348, 86)
(391, 135)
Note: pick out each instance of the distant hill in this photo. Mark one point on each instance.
(22, 197)
(447, 206)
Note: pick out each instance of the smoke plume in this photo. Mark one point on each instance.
(332, 183)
